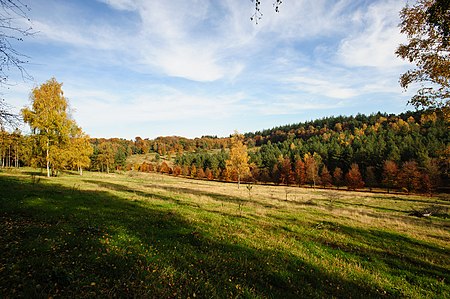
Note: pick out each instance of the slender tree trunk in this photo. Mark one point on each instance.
(239, 181)
(81, 170)
(9, 156)
(48, 159)
(17, 158)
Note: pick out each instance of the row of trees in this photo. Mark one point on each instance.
(235, 165)
(355, 151)
(321, 152)
(374, 150)
(310, 170)
(172, 145)
(15, 149)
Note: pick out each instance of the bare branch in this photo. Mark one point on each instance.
(12, 29)
(257, 15)
(7, 118)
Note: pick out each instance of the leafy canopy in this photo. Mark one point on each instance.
(427, 27)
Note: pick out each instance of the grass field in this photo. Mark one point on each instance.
(148, 235)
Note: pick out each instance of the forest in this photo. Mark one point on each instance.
(408, 152)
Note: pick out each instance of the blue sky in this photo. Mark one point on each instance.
(191, 68)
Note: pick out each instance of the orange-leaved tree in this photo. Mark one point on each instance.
(300, 171)
(312, 164)
(354, 178)
(409, 176)
(427, 27)
(325, 177)
(390, 173)
(338, 177)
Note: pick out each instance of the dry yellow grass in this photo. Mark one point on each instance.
(359, 209)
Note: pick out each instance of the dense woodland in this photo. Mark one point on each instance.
(409, 152)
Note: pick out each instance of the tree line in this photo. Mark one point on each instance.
(409, 151)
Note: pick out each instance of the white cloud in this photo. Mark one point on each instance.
(304, 19)
(121, 60)
(150, 105)
(376, 38)
(173, 38)
(331, 89)
(121, 4)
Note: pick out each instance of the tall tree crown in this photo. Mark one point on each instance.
(48, 111)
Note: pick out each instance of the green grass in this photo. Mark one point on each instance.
(148, 235)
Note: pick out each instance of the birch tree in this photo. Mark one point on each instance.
(49, 121)
(80, 150)
(238, 161)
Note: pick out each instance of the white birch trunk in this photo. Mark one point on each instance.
(48, 159)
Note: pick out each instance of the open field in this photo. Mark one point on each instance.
(149, 235)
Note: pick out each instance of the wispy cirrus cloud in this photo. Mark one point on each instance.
(151, 63)
(375, 37)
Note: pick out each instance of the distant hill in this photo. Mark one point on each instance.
(419, 140)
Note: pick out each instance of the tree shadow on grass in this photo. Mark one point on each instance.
(215, 196)
(57, 241)
(437, 199)
(178, 190)
(420, 263)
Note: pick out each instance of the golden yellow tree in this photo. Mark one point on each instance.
(49, 121)
(312, 165)
(106, 155)
(238, 161)
(79, 150)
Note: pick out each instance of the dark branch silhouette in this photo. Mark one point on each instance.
(258, 14)
(12, 29)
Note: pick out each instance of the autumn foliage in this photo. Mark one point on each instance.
(354, 178)
(407, 152)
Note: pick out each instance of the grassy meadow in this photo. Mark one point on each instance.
(149, 235)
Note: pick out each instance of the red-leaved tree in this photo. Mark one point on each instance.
(354, 178)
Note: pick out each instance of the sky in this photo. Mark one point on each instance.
(192, 68)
